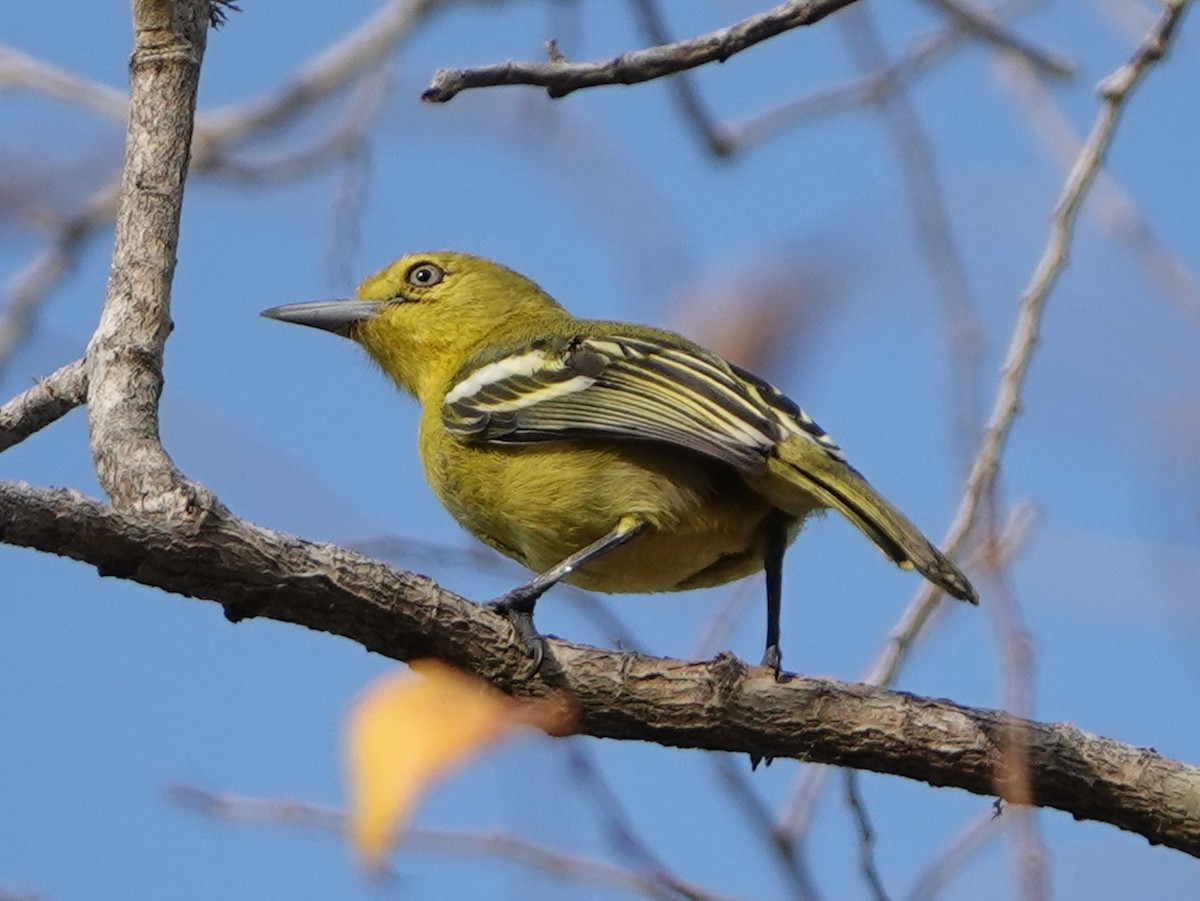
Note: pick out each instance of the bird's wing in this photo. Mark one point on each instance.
(612, 386)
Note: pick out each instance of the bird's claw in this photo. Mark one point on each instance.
(773, 658)
(519, 612)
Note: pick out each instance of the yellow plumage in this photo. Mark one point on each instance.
(618, 457)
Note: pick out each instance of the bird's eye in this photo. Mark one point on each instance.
(422, 275)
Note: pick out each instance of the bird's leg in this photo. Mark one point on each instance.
(517, 605)
(773, 565)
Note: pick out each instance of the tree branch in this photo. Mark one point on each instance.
(561, 78)
(50, 399)
(718, 705)
(125, 354)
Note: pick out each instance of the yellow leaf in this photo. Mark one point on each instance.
(409, 729)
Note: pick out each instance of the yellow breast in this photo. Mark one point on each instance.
(539, 503)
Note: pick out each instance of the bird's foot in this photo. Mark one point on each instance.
(517, 607)
(773, 658)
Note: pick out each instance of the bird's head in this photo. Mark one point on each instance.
(421, 317)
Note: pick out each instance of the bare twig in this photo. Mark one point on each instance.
(984, 24)
(19, 70)
(934, 878)
(866, 836)
(636, 66)
(501, 845)
(621, 831)
(50, 399)
(862, 91)
(790, 856)
(687, 94)
(1114, 91)
(29, 287)
(1109, 203)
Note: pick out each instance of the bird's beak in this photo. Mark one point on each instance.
(335, 316)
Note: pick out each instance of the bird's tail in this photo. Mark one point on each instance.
(801, 471)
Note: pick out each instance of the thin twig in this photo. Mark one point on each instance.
(984, 24)
(1114, 91)
(861, 91)
(866, 836)
(29, 288)
(50, 399)
(19, 70)
(1109, 203)
(790, 856)
(687, 94)
(937, 875)
(622, 833)
(636, 66)
(502, 845)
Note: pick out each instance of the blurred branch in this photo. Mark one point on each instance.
(930, 215)
(620, 828)
(560, 77)
(327, 73)
(720, 705)
(862, 91)
(1016, 654)
(29, 287)
(866, 836)
(217, 133)
(1108, 202)
(501, 845)
(19, 70)
(984, 24)
(687, 94)
(50, 399)
(797, 815)
(341, 140)
(934, 878)
(789, 856)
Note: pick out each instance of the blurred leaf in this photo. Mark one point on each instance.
(409, 729)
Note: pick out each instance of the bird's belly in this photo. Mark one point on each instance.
(541, 503)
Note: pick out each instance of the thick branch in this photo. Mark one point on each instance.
(561, 78)
(125, 353)
(718, 705)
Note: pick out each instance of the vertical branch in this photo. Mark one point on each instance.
(125, 353)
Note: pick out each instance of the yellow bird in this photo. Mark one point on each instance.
(616, 457)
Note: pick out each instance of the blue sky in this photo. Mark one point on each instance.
(112, 691)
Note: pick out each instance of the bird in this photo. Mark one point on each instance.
(617, 457)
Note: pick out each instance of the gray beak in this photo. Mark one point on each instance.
(331, 315)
